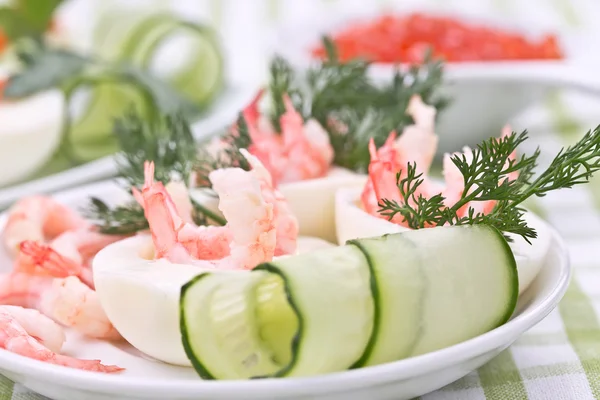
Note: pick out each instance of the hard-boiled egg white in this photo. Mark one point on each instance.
(312, 201)
(141, 296)
(29, 133)
(353, 222)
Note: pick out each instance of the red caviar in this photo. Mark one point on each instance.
(395, 39)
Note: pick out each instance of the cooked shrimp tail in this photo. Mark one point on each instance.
(17, 329)
(46, 258)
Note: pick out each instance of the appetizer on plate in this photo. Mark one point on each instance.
(483, 183)
(311, 132)
(241, 294)
(95, 88)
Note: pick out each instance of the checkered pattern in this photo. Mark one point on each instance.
(560, 357)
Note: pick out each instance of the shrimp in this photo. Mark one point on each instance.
(286, 222)
(249, 218)
(302, 150)
(74, 304)
(42, 328)
(179, 241)
(455, 184)
(26, 290)
(38, 218)
(31, 334)
(174, 238)
(249, 234)
(65, 300)
(416, 145)
(68, 254)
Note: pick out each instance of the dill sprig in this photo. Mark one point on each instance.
(125, 219)
(226, 156)
(347, 102)
(282, 82)
(485, 179)
(167, 141)
(129, 218)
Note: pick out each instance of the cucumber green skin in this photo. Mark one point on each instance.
(68, 146)
(200, 368)
(187, 345)
(290, 298)
(376, 311)
(512, 305)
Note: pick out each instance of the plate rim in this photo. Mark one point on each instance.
(344, 380)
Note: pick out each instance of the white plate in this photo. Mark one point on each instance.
(222, 113)
(149, 379)
(486, 95)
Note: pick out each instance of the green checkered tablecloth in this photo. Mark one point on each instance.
(560, 357)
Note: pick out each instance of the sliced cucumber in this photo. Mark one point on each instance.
(472, 284)
(150, 42)
(399, 284)
(88, 134)
(223, 309)
(438, 287)
(299, 306)
(329, 289)
(368, 302)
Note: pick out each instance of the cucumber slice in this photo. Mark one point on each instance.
(112, 32)
(368, 302)
(299, 306)
(151, 42)
(223, 309)
(450, 284)
(329, 289)
(472, 284)
(398, 292)
(88, 134)
(199, 72)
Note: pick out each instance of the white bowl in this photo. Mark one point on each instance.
(148, 379)
(486, 95)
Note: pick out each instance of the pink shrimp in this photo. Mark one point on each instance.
(74, 304)
(286, 223)
(417, 146)
(173, 237)
(26, 290)
(394, 156)
(38, 218)
(250, 221)
(65, 300)
(69, 254)
(302, 150)
(259, 221)
(455, 184)
(31, 334)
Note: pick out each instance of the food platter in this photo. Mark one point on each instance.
(146, 378)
